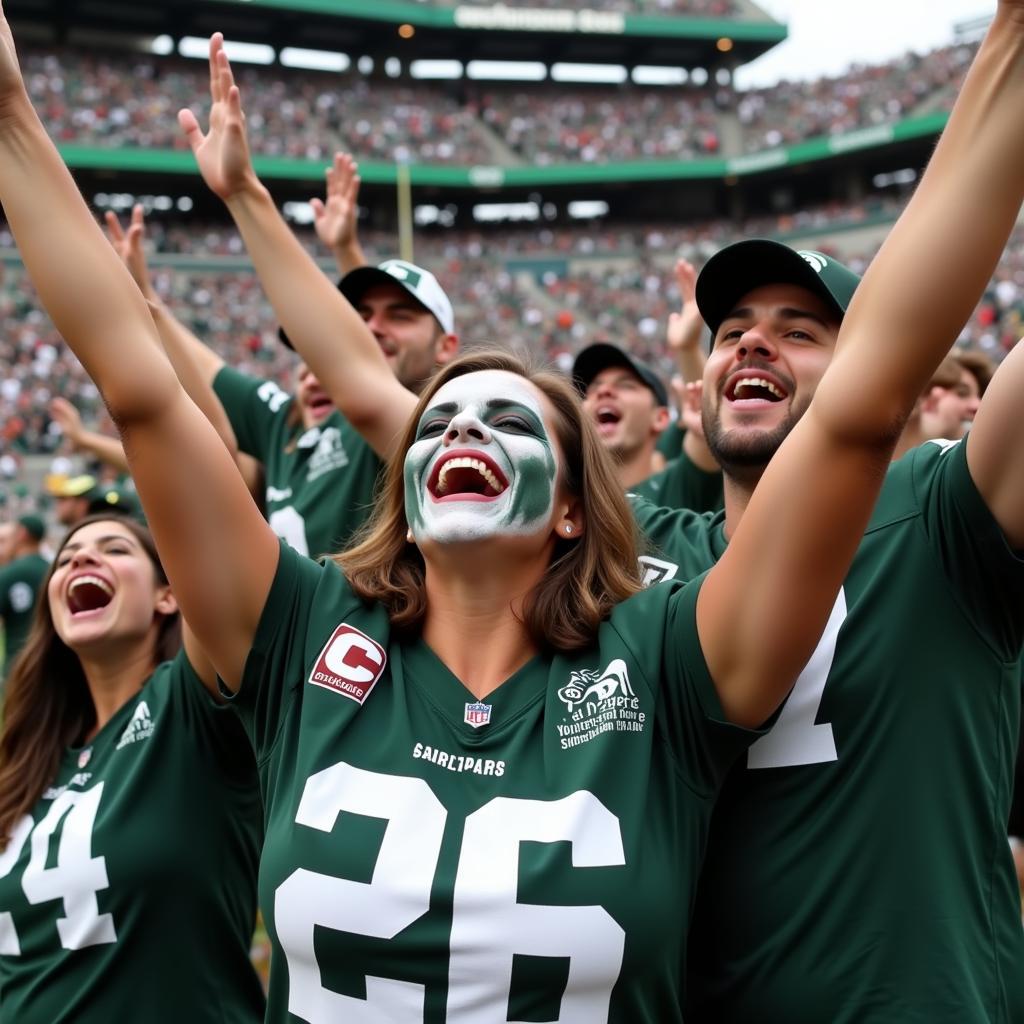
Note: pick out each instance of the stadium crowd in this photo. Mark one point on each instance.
(116, 100)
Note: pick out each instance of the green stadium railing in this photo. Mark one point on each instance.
(165, 161)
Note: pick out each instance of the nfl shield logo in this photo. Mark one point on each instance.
(83, 757)
(477, 715)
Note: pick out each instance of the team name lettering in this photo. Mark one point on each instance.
(78, 779)
(458, 762)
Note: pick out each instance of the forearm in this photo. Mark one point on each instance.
(318, 319)
(196, 367)
(106, 449)
(696, 449)
(690, 362)
(349, 256)
(85, 288)
(933, 267)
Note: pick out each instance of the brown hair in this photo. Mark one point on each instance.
(979, 366)
(587, 576)
(48, 705)
(946, 375)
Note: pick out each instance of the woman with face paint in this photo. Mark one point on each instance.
(488, 760)
(122, 781)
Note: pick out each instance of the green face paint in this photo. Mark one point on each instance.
(483, 463)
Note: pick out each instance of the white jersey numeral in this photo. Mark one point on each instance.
(77, 875)
(489, 926)
(9, 945)
(796, 738)
(291, 528)
(395, 897)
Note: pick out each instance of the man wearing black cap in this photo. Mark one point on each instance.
(627, 403)
(20, 580)
(858, 868)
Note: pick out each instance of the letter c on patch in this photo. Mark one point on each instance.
(354, 657)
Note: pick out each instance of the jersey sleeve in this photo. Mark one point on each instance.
(214, 725)
(985, 574)
(255, 408)
(704, 741)
(277, 663)
(683, 484)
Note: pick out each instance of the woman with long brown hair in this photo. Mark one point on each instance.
(121, 780)
(488, 763)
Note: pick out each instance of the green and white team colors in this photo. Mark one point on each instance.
(434, 858)
(20, 581)
(858, 870)
(319, 482)
(129, 892)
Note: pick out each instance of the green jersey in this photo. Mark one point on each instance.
(319, 482)
(19, 583)
(129, 891)
(858, 868)
(683, 484)
(670, 441)
(431, 857)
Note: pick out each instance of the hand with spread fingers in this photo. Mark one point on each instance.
(684, 327)
(128, 244)
(335, 218)
(69, 419)
(222, 153)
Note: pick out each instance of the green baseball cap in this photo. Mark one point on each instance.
(34, 525)
(744, 266)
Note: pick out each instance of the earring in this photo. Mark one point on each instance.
(408, 536)
(568, 528)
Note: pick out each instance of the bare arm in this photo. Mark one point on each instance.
(219, 554)
(764, 606)
(82, 439)
(326, 331)
(336, 218)
(995, 455)
(686, 327)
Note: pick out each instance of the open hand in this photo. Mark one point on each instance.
(68, 418)
(222, 153)
(685, 327)
(128, 245)
(688, 397)
(335, 219)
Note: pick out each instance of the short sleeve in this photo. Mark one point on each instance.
(276, 665)
(705, 742)
(986, 575)
(216, 728)
(255, 408)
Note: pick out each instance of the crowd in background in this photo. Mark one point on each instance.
(611, 283)
(131, 100)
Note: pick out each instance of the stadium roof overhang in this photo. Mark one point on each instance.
(464, 32)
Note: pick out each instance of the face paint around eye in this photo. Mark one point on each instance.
(479, 477)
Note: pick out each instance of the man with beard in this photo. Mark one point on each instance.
(858, 869)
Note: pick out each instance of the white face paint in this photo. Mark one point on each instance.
(483, 463)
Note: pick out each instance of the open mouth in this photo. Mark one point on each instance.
(606, 418)
(88, 594)
(320, 404)
(755, 389)
(466, 477)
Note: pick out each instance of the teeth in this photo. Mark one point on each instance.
(94, 580)
(759, 382)
(464, 462)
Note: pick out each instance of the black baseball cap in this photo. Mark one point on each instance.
(595, 358)
(744, 266)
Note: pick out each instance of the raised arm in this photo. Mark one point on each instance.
(219, 554)
(82, 439)
(326, 331)
(336, 218)
(995, 452)
(195, 363)
(764, 606)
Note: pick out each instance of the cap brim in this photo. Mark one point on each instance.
(738, 269)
